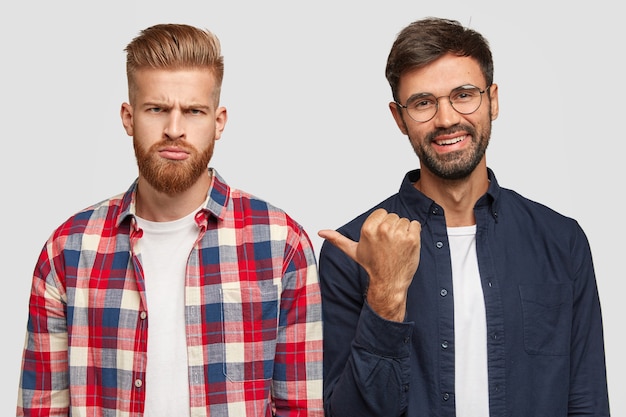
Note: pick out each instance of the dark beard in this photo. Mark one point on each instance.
(452, 166)
(172, 177)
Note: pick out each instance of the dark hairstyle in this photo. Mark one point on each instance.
(423, 41)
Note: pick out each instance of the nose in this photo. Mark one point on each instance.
(174, 129)
(446, 115)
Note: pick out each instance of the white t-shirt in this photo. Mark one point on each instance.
(164, 249)
(470, 325)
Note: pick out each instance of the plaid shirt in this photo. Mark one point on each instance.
(252, 312)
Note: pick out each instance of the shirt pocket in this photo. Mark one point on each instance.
(249, 327)
(547, 318)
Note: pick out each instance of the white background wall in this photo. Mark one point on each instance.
(309, 128)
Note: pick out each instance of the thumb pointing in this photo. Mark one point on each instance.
(346, 245)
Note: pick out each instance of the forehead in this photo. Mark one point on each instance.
(441, 76)
(186, 85)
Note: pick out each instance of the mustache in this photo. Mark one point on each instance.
(451, 130)
(178, 143)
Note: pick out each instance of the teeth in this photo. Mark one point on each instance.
(451, 141)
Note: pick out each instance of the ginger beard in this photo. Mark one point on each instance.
(169, 176)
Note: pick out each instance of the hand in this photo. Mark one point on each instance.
(389, 251)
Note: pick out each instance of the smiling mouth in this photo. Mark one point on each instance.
(450, 141)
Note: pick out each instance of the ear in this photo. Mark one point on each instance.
(126, 113)
(221, 116)
(396, 112)
(495, 107)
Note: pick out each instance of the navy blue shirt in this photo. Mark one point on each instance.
(544, 327)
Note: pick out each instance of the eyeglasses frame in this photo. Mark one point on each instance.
(481, 92)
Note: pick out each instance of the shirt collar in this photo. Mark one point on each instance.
(422, 206)
(217, 202)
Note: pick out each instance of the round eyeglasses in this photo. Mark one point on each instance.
(465, 99)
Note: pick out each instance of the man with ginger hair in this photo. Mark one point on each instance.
(182, 296)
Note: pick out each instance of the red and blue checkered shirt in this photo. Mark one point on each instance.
(252, 311)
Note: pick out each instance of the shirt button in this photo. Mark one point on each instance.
(443, 292)
(446, 396)
(444, 344)
(439, 245)
(143, 315)
(406, 339)
(138, 383)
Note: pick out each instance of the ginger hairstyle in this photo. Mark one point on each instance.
(174, 46)
(423, 41)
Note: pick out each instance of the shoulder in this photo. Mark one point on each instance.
(256, 209)
(266, 220)
(103, 214)
(513, 200)
(537, 217)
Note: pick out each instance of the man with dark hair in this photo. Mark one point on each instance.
(455, 296)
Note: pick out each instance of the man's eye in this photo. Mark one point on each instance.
(154, 110)
(465, 94)
(424, 103)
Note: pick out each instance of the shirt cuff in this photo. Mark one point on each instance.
(381, 336)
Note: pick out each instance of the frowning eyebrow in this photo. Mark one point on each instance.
(166, 106)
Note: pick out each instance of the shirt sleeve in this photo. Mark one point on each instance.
(297, 382)
(588, 387)
(43, 389)
(366, 358)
